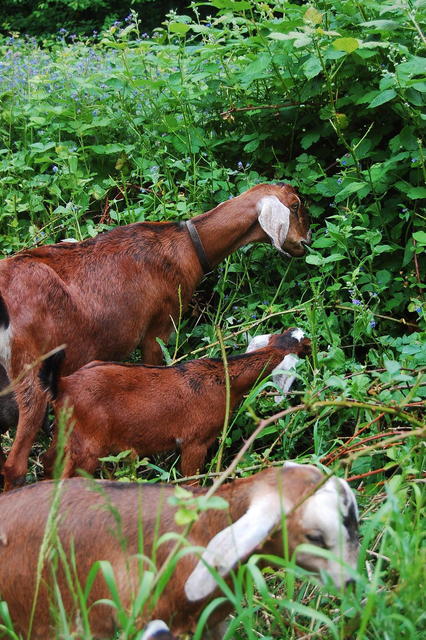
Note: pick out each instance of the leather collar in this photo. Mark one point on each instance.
(198, 245)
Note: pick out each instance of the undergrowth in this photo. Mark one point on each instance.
(128, 126)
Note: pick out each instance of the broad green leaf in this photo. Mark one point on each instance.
(312, 68)
(383, 97)
(346, 44)
(420, 237)
(179, 27)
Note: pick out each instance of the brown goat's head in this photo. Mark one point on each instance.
(283, 218)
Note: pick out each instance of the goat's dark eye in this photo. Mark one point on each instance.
(295, 207)
(317, 539)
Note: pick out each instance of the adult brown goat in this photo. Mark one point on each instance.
(120, 521)
(105, 296)
(114, 407)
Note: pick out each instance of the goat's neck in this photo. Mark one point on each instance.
(229, 226)
(245, 370)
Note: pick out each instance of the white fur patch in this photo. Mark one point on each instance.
(154, 627)
(5, 340)
(258, 342)
(69, 240)
(274, 218)
(280, 374)
(236, 542)
(298, 334)
(324, 512)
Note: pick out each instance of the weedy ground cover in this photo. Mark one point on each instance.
(330, 96)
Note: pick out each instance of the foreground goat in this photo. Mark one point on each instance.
(107, 295)
(147, 409)
(104, 520)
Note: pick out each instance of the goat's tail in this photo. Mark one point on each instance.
(50, 372)
(4, 314)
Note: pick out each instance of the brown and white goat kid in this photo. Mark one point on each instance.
(114, 407)
(104, 296)
(102, 520)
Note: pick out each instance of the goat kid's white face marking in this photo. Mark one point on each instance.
(298, 334)
(274, 218)
(332, 515)
(235, 543)
(154, 627)
(258, 342)
(5, 341)
(281, 375)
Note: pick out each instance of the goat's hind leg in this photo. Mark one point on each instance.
(32, 404)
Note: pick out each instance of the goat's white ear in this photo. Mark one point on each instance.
(282, 375)
(258, 342)
(235, 543)
(274, 218)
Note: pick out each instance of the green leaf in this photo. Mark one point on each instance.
(414, 193)
(179, 27)
(106, 149)
(383, 97)
(346, 44)
(312, 68)
(392, 366)
(420, 237)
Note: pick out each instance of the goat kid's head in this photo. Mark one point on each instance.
(284, 219)
(294, 341)
(326, 517)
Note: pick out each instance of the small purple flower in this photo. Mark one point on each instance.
(55, 168)
(418, 309)
(73, 37)
(413, 159)
(129, 18)
(339, 180)
(343, 161)
(117, 23)
(254, 316)
(372, 323)
(209, 24)
(62, 31)
(240, 165)
(356, 301)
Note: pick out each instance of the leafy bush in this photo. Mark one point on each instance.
(330, 97)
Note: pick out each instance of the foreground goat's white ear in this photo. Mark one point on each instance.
(258, 342)
(274, 218)
(283, 376)
(235, 543)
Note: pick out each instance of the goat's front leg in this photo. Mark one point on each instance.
(32, 404)
(192, 458)
(151, 350)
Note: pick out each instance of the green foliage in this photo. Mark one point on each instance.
(44, 18)
(329, 96)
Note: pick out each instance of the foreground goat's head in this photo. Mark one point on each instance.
(284, 219)
(316, 511)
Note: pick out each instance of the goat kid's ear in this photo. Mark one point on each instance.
(282, 375)
(258, 342)
(235, 543)
(274, 218)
